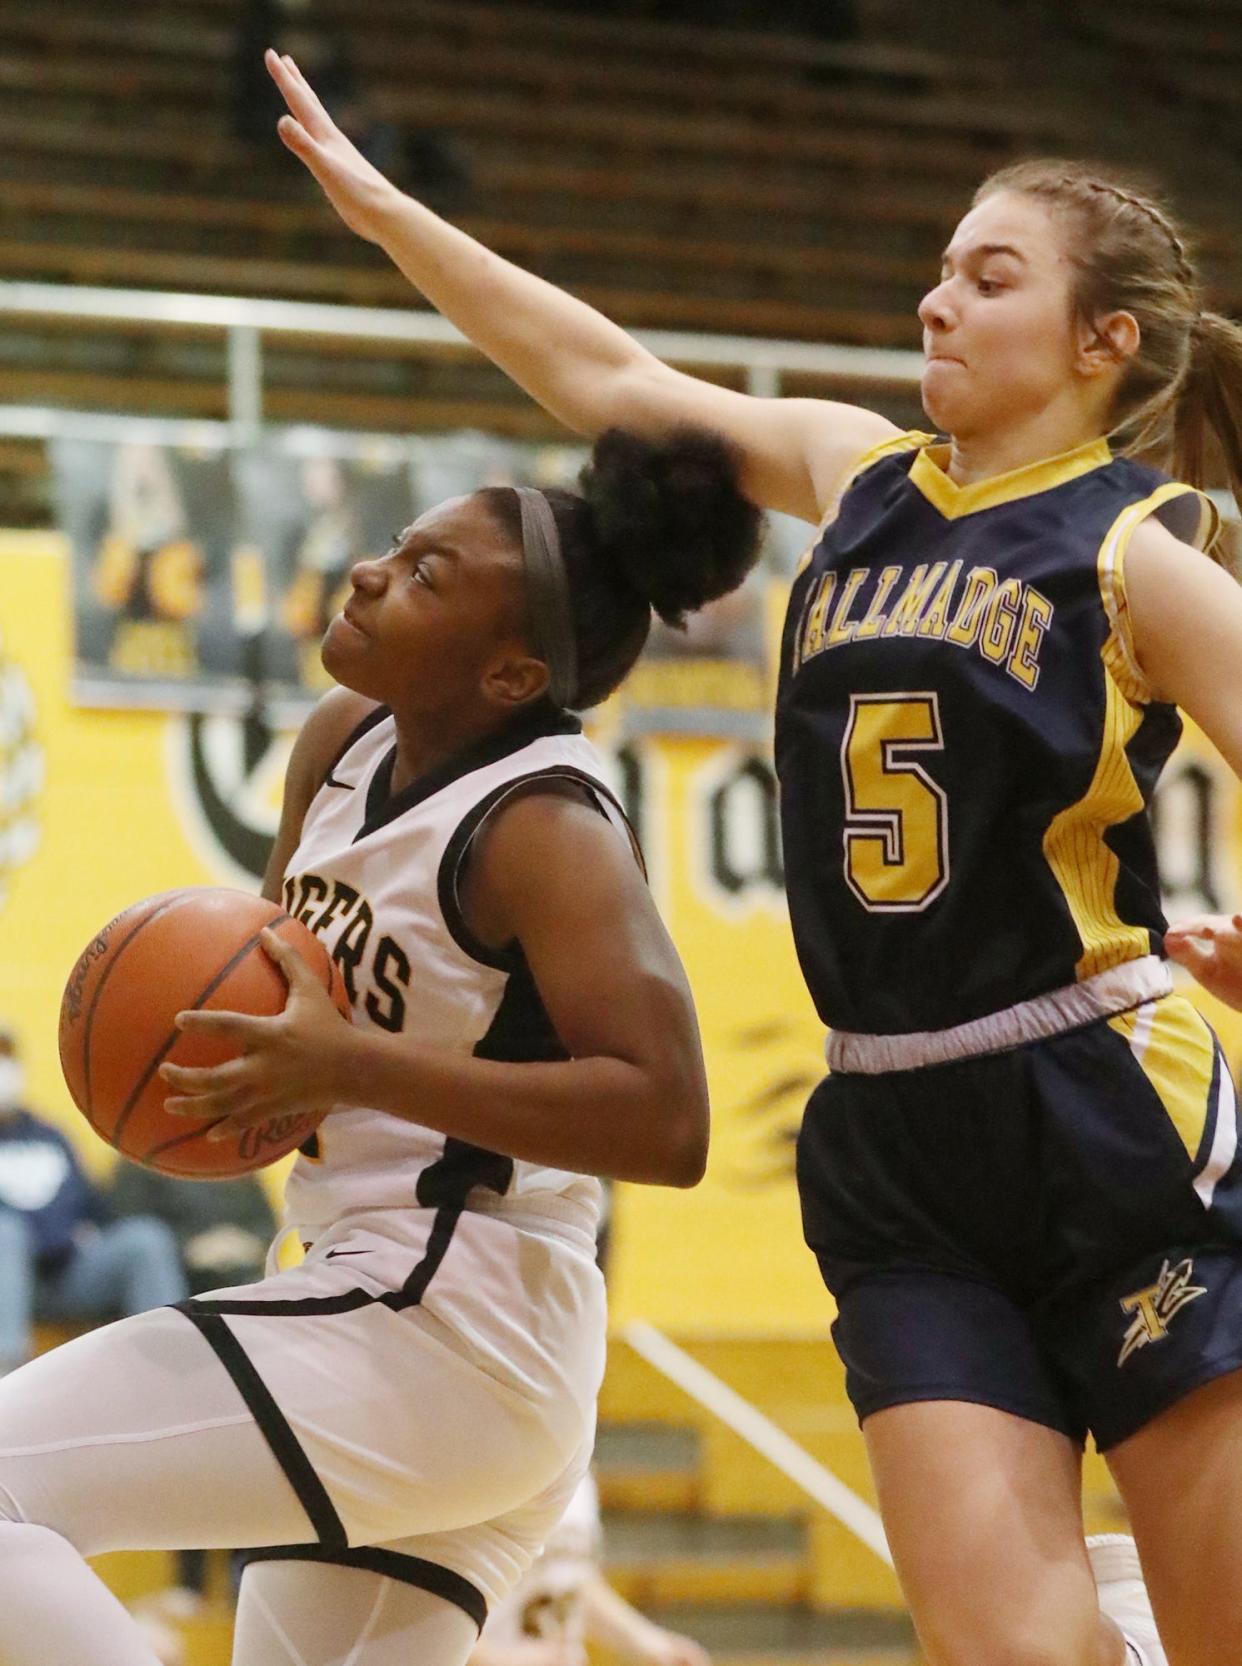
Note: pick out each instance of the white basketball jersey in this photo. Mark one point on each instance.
(377, 877)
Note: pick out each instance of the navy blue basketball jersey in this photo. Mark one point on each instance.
(965, 744)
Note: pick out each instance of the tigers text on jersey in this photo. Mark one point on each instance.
(965, 746)
(375, 876)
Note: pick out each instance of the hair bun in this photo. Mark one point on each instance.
(669, 515)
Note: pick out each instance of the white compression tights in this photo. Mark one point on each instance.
(310, 1614)
(133, 1437)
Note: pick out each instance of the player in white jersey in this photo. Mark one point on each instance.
(399, 1421)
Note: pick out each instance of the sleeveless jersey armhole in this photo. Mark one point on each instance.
(894, 446)
(457, 854)
(1189, 515)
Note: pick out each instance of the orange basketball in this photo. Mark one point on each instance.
(169, 953)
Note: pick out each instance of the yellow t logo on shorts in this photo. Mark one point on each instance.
(1155, 1307)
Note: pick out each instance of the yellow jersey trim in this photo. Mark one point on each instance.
(911, 440)
(1074, 844)
(1176, 1051)
(953, 501)
(1120, 657)
(1082, 864)
(891, 447)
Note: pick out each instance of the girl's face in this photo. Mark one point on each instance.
(999, 335)
(431, 624)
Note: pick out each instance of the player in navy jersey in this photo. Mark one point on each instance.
(393, 1426)
(1021, 1178)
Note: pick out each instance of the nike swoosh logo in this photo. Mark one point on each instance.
(333, 1253)
(330, 780)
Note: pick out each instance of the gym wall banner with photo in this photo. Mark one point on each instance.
(99, 807)
(202, 571)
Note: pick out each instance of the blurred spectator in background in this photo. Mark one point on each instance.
(222, 1229)
(62, 1255)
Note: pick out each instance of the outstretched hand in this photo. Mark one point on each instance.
(287, 1064)
(358, 191)
(1210, 948)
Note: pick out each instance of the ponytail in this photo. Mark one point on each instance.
(1207, 406)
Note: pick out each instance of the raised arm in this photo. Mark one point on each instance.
(582, 368)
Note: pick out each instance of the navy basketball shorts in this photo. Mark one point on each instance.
(1055, 1230)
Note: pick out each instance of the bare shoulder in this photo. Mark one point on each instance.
(547, 847)
(330, 723)
(1185, 614)
(835, 437)
(1160, 567)
(547, 829)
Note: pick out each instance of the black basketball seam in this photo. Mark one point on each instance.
(194, 1133)
(158, 1059)
(179, 1139)
(87, 1109)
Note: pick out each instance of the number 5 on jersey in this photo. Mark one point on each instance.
(896, 817)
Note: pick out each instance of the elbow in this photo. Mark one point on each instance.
(689, 1167)
(684, 1159)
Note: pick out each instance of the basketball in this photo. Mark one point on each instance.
(197, 947)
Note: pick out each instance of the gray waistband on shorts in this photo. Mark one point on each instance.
(1119, 989)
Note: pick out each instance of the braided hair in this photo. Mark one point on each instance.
(1179, 403)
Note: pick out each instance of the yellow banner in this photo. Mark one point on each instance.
(99, 808)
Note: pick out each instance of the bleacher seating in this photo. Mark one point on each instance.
(724, 179)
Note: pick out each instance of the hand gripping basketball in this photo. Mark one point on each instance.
(199, 947)
(291, 1063)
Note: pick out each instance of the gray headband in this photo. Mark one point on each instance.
(547, 587)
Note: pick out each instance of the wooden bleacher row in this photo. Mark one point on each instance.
(210, 24)
(1215, 41)
(120, 215)
(363, 286)
(724, 179)
(1189, 51)
(484, 113)
(143, 239)
(142, 64)
(632, 163)
(626, 139)
(875, 159)
(181, 160)
(1211, 12)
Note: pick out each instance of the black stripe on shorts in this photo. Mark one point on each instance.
(393, 1564)
(275, 1429)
